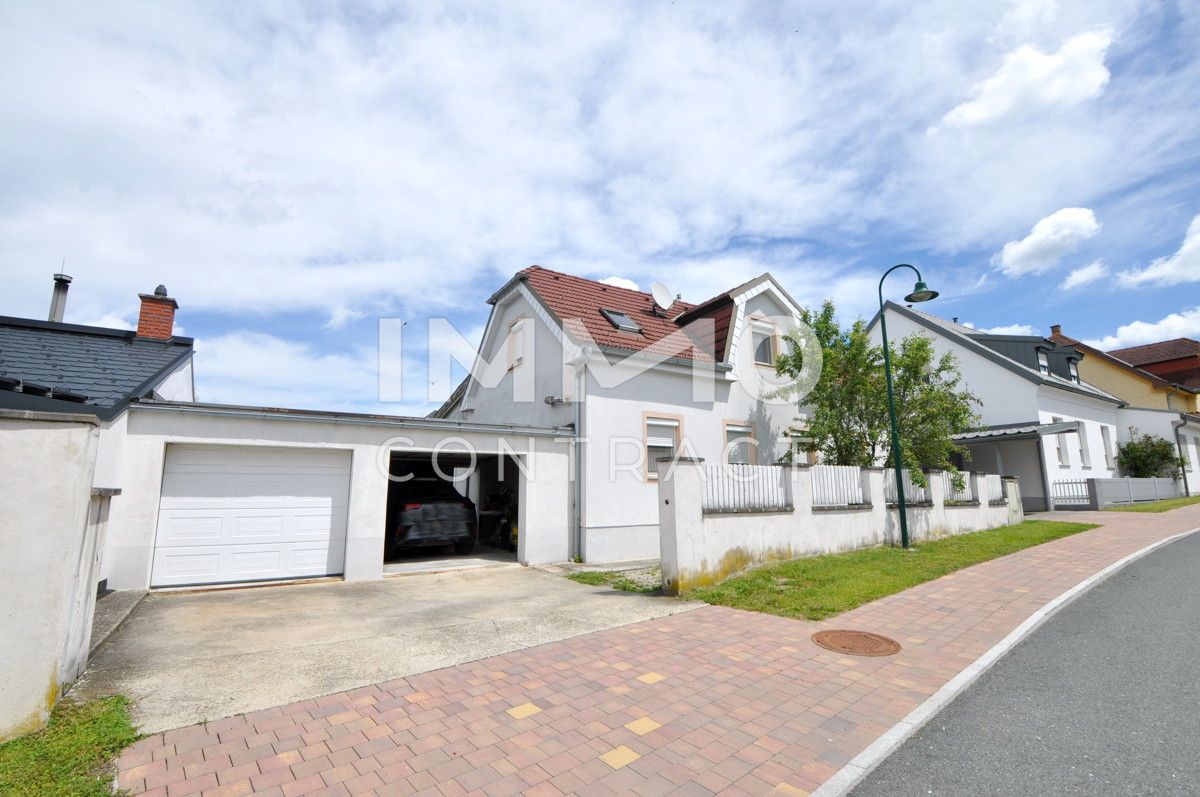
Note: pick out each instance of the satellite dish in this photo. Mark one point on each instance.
(662, 295)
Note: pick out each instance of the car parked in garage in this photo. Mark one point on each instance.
(428, 512)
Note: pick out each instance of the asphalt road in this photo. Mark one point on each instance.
(1102, 699)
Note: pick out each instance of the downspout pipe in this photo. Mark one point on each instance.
(1178, 426)
(580, 434)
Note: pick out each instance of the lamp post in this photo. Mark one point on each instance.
(920, 293)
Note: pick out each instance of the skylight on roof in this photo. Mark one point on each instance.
(621, 321)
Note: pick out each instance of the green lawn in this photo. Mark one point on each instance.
(599, 578)
(70, 756)
(1156, 506)
(822, 586)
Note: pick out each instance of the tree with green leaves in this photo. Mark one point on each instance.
(1145, 456)
(847, 408)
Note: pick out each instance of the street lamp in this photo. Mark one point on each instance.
(920, 293)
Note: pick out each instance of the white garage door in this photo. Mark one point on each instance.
(229, 513)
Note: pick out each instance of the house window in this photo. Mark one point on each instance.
(1043, 363)
(1085, 455)
(1106, 439)
(1064, 459)
(662, 434)
(621, 321)
(740, 445)
(1073, 369)
(1187, 457)
(764, 337)
(516, 343)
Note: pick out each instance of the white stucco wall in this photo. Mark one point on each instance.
(700, 548)
(178, 385)
(47, 560)
(1162, 423)
(139, 470)
(1092, 414)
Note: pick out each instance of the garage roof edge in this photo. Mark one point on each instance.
(398, 421)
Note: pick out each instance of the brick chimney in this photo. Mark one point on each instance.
(1055, 329)
(156, 320)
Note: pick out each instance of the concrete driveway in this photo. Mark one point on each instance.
(189, 657)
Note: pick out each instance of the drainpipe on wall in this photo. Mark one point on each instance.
(1177, 426)
(580, 385)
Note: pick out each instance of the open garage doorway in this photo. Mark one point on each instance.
(454, 515)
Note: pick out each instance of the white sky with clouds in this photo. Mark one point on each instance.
(293, 173)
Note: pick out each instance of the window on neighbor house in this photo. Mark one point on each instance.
(796, 444)
(516, 343)
(1073, 369)
(1085, 454)
(1106, 439)
(662, 441)
(764, 337)
(1064, 459)
(740, 444)
(621, 321)
(1187, 456)
(1043, 362)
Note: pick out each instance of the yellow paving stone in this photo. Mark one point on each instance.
(651, 678)
(643, 726)
(522, 711)
(621, 665)
(787, 789)
(619, 757)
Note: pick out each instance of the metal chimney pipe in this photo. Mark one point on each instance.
(58, 300)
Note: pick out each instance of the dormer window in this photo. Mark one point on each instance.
(764, 339)
(1043, 362)
(621, 321)
(1073, 370)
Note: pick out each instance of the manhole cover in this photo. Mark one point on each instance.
(856, 643)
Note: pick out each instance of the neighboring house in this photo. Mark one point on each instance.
(1176, 361)
(1136, 386)
(52, 366)
(638, 382)
(1042, 421)
(57, 367)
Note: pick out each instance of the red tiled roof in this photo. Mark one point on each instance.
(1159, 352)
(570, 297)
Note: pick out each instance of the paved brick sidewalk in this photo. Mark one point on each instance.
(713, 700)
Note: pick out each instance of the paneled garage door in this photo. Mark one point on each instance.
(229, 513)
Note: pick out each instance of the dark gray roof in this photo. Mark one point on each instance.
(969, 338)
(73, 368)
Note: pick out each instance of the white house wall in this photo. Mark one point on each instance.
(1163, 423)
(177, 385)
(1006, 397)
(1055, 404)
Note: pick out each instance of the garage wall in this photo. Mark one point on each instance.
(47, 562)
(545, 500)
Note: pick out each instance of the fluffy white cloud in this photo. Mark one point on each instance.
(1049, 240)
(1030, 80)
(621, 282)
(1185, 324)
(1011, 329)
(257, 369)
(1085, 275)
(1183, 266)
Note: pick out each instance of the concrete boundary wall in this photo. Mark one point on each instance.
(699, 548)
(49, 535)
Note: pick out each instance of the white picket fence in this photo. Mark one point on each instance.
(746, 488)
(913, 493)
(837, 485)
(1072, 492)
(963, 495)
